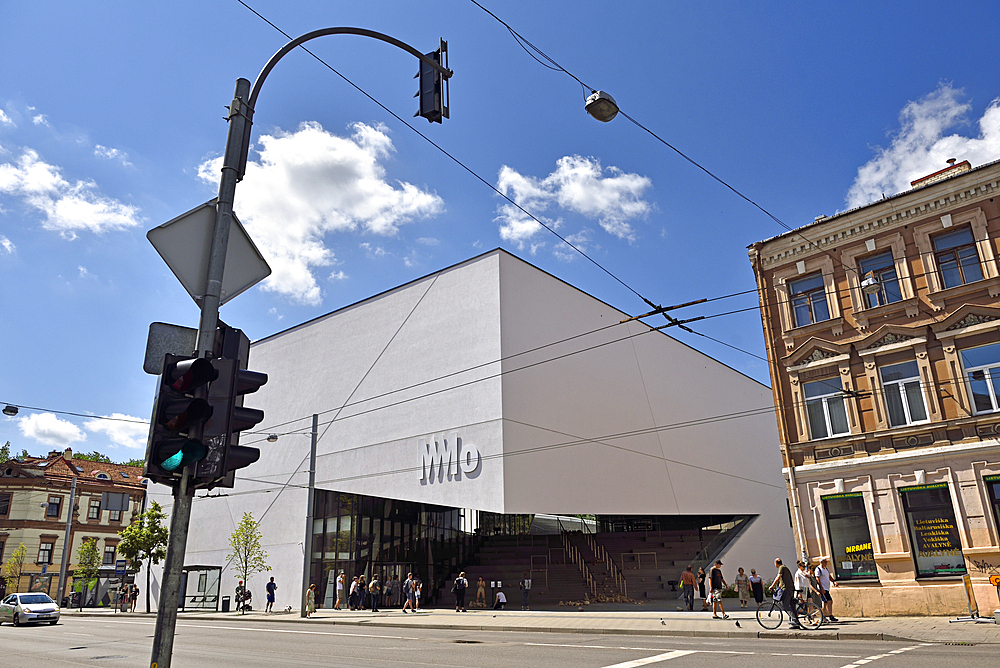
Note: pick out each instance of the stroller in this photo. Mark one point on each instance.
(243, 601)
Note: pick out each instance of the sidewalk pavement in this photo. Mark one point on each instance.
(619, 621)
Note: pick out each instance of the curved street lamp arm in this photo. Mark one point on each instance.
(252, 101)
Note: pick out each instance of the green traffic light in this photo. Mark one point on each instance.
(187, 452)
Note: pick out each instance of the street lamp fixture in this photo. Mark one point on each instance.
(870, 285)
(10, 410)
(601, 106)
(272, 438)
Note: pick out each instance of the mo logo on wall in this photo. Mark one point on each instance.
(448, 459)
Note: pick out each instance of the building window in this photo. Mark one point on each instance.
(1, 551)
(114, 516)
(55, 504)
(957, 258)
(903, 396)
(937, 548)
(109, 555)
(45, 553)
(809, 300)
(94, 513)
(884, 269)
(825, 408)
(982, 369)
(4, 504)
(993, 489)
(850, 537)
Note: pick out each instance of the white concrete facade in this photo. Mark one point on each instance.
(544, 402)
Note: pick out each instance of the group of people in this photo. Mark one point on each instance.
(805, 582)
(499, 600)
(129, 596)
(364, 594)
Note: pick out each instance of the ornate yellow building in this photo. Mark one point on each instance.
(882, 327)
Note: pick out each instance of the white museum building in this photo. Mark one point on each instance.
(457, 407)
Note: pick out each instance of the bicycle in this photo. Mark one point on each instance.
(771, 613)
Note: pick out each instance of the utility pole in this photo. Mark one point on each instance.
(67, 546)
(307, 543)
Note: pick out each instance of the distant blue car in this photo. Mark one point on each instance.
(34, 607)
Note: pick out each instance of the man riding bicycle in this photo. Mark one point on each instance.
(786, 582)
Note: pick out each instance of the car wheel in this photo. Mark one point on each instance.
(17, 620)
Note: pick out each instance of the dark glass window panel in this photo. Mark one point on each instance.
(850, 538)
(933, 531)
(981, 356)
(809, 303)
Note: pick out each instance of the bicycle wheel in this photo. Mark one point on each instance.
(811, 616)
(769, 615)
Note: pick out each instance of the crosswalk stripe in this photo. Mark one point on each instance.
(653, 659)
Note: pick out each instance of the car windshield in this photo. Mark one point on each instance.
(27, 599)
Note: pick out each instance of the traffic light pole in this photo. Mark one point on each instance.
(234, 162)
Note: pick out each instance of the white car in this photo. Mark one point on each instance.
(33, 607)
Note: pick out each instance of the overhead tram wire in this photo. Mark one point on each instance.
(452, 157)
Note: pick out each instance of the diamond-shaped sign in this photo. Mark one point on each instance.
(185, 244)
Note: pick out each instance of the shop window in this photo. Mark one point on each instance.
(809, 300)
(930, 517)
(4, 503)
(825, 408)
(904, 398)
(45, 552)
(993, 488)
(94, 512)
(982, 370)
(850, 537)
(109, 555)
(957, 258)
(884, 269)
(55, 503)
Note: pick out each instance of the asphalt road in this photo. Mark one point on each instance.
(218, 644)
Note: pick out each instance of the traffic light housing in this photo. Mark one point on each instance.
(433, 91)
(179, 414)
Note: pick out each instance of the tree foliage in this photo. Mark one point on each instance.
(5, 451)
(144, 542)
(94, 456)
(247, 555)
(88, 567)
(12, 569)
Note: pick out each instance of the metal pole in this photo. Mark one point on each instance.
(307, 557)
(67, 546)
(180, 518)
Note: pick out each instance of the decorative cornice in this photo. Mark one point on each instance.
(972, 319)
(889, 339)
(819, 355)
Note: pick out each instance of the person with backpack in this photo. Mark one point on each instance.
(461, 584)
(525, 585)
(409, 595)
(375, 590)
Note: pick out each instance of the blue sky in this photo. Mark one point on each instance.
(111, 122)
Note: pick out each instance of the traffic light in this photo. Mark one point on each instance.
(433, 90)
(178, 418)
(224, 454)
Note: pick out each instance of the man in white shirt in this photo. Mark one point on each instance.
(500, 602)
(823, 576)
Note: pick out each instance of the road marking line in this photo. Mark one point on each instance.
(653, 659)
(875, 657)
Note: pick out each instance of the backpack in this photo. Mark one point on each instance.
(373, 587)
(459, 584)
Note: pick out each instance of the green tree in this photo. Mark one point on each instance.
(247, 554)
(87, 569)
(135, 462)
(5, 451)
(12, 569)
(94, 456)
(145, 541)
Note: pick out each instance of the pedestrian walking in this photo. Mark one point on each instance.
(353, 598)
(310, 600)
(362, 593)
(418, 590)
(701, 587)
(743, 588)
(525, 585)
(461, 584)
(341, 581)
(718, 585)
(375, 590)
(409, 593)
(825, 578)
(687, 587)
(784, 582)
(804, 585)
(757, 585)
(133, 597)
(271, 589)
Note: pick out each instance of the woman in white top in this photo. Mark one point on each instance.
(803, 584)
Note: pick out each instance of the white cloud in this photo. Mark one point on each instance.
(7, 244)
(84, 273)
(311, 183)
(68, 207)
(5, 119)
(578, 185)
(581, 240)
(428, 241)
(48, 429)
(131, 434)
(40, 120)
(921, 146)
(338, 275)
(373, 251)
(112, 154)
